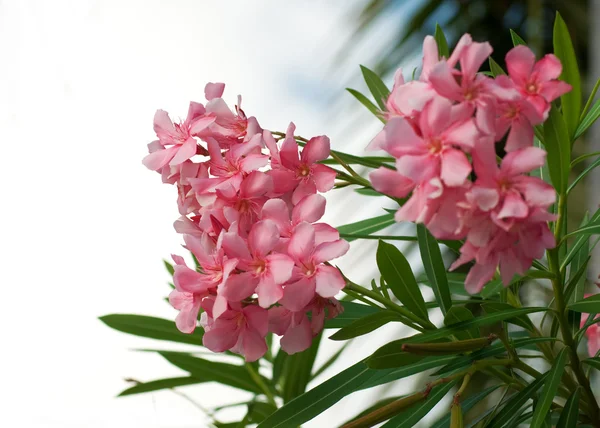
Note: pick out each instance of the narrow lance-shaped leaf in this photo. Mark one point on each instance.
(365, 325)
(409, 417)
(352, 312)
(588, 120)
(558, 146)
(563, 49)
(442, 43)
(579, 242)
(399, 277)
(516, 402)
(154, 328)
(389, 353)
(157, 385)
(226, 374)
(591, 305)
(376, 86)
(585, 172)
(368, 226)
(570, 412)
(367, 103)
(434, 267)
(549, 391)
(458, 314)
(592, 362)
(308, 405)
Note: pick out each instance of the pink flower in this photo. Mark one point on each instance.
(176, 143)
(229, 128)
(472, 90)
(408, 99)
(239, 329)
(192, 286)
(536, 81)
(263, 270)
(244, 205)
(312, 276)
(520, 116)
(506, 192)
(301, 173)
(310, 209)
(293, 326)
(432, 151)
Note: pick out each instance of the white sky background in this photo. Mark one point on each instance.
(84, 225)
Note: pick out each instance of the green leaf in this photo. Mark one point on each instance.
(456, 283)
(278, 365)
(330, 361)
(409, 417)
(297, 371)
(558, 146)
(377, 405)
(585, 172)
(521, 321)
(155, 328)
(516, 402)
(308, 405)
(352, 312)
(458, 314)
(258, 411)
(367, 103)
(368, 192)
(495, 68)
(591, 305)
(399, 277)
(549, 391)
(434, 267)
(223, 373)
(593, 362)
(563, 49)
(368, 226)
(568, 417)
(365, 325)
(159, 384)
(466, 404)
(393, 349)
(579, 242)
(169, 267)
(442, 43)
(378, 89)
(588, 120)
(492, 351)
(516, 39)
(383, 376)
(589, 229)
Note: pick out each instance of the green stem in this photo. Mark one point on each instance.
(390, 305)
(590, 100)
(263, 387)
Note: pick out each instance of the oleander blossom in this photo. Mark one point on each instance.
(444, 130)
(250, 210)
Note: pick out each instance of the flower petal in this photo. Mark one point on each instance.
(329, 281)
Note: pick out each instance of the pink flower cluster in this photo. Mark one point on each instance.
(443, 129)
(250, 214)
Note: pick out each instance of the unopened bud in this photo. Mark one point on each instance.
(444, 348)
(386, 412)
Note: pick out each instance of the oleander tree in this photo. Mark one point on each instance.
(477, 153)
